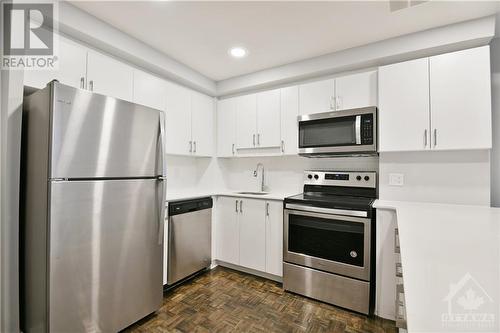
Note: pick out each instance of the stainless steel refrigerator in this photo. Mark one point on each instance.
(93, 190)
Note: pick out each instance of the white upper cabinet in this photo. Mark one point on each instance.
(289, 114)
(274, 237)
(227, 230)
(202, 122)
(268, 119)
(71, 67)
(149, 90)
(252, 234)
(108, 76)
(438, 103)
(460, 90)
(317, 97)
(356, 91)
(404, 106)
(226, 127)
(246, 121)
(178, 120)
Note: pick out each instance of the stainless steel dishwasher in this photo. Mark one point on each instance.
(189, 238)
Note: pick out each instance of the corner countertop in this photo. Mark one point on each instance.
(450, 256)
(193, 194)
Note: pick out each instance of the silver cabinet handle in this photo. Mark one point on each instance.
(282, 146)
(254, 139)
(236, 208)
(190, 146)
(338, 104)
(91, 85)
(435, 137)
(82, 82)
(425, 138)
(194, 150)
(258, 139)
(232, 148)
(267, 208)
(241, 206)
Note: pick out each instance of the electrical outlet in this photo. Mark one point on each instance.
(396, 179)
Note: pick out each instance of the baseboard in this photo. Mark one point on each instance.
(249, 271)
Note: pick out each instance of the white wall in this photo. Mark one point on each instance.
(282, 174)
(10, 122)
(460, 177)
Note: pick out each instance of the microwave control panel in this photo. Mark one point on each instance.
(367, 129)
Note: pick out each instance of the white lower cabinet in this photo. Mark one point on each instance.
(249, 233)
(227, 230)
(274, 237)
(252, 224)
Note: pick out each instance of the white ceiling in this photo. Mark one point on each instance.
(199, 34)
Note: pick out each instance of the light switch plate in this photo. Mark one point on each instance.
(396, 179)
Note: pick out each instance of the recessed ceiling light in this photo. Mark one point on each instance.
(238, 52)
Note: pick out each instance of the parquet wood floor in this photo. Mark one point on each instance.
(224, 300)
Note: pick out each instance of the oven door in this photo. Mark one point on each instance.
(339, 132)
(328, 242)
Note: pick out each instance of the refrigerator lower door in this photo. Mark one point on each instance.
(105, 264)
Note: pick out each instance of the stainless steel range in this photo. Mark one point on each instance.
(329, 239)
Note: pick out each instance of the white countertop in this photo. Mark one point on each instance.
(192, 194)
(448, 251)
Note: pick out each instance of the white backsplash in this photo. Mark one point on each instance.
(283, 174)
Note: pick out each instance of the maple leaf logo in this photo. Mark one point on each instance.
(470, 301)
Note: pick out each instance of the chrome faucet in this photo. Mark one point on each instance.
(256, 172)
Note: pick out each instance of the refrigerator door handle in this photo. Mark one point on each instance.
(162, 179)
(163, 143)
(161, 217)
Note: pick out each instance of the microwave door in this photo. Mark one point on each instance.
(350, 132)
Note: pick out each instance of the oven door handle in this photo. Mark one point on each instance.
(358, 130)
(356, 213)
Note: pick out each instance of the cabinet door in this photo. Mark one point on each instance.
(253, 234)
(289, 113)
(178, 120)
(246, 121)
(356, 91)
(404, 106)
(268, 118)
(202, 123)
(149, 90)
(274, 237)
(71, 67)
(226, 127)
(316, 97)
(227, 230)
(461, 99)
(109, 77)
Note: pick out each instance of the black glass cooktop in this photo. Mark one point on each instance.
(325, 200)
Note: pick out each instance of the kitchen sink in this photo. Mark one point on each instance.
(253, 193)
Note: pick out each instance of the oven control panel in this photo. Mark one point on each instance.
(341, 178)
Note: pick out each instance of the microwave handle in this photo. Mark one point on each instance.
(358, 129)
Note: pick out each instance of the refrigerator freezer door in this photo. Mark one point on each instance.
(98, 136)
(105, 268)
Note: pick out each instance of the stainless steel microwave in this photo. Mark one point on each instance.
(348, 132)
